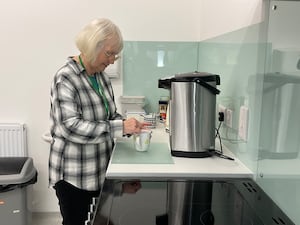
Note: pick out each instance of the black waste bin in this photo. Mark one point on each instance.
(16, 174)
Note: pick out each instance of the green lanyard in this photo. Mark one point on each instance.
(98, 88)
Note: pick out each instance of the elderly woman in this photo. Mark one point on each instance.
(84, 120)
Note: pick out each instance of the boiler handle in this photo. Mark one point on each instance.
(209, 87)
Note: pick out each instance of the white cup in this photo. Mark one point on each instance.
(142, 140)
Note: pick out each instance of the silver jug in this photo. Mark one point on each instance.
(192, 113)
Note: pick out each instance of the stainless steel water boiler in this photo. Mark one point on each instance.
(192, 113)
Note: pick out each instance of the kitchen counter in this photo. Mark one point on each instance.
(172, 167)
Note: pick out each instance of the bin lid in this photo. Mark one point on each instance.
(16, 170)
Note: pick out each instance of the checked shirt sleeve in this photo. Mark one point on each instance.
(69, 116)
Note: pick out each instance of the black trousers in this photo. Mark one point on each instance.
(74, 203)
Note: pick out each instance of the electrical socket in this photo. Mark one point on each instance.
(243, 123)
(222, 109)
(228, 118)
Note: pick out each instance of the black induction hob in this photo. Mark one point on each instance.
(185, 202)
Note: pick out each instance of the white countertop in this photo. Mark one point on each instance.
(210, 167)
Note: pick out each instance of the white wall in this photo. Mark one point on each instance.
(218, 17)
(38, 35)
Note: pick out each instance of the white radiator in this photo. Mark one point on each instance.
(13, 140)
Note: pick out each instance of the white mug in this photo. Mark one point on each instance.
(142, 140)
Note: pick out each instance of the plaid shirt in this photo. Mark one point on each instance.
(82, 134)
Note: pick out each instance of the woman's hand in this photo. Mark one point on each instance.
(133, 126)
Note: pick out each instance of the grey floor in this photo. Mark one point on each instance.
(46, 219)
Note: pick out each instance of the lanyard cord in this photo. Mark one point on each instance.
(98, 90)
(103, 97)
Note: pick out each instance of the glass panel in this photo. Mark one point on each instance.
(238, 57)
(279, 164)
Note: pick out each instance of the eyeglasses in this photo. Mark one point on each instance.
(110, 54)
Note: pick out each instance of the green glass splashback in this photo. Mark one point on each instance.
(145, 62)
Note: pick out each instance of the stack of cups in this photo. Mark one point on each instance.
(151, 120)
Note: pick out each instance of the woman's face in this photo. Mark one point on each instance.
(107, 55)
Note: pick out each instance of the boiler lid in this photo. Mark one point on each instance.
(202, 78)
(189, 77)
